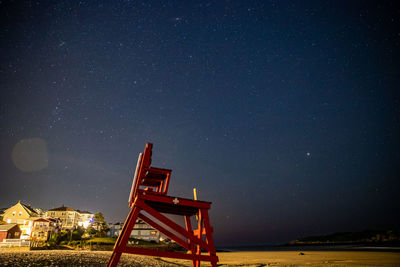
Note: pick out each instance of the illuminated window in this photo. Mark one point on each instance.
(153, 232)
(20, 213)
(13, 213)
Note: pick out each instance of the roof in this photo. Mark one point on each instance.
(62, 209)
(29, 209)
(84, 212)
(41, 220)
(45, 220)
(40, 211)
(6, 227)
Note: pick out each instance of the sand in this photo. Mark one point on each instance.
(72, 258)
(248, 259)
(310, 258)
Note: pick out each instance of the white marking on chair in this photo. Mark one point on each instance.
(176, 200)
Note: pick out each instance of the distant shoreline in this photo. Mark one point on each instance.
(314, 247)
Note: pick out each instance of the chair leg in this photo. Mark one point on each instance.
(114, 259)
(209, 238)
(199, 235)
(124, 236)
(207, 226)
(188, 225)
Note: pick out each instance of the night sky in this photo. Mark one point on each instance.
(284, 114)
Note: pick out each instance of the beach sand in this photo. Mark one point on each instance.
(310, 258)
(40, 258)
(248, 259)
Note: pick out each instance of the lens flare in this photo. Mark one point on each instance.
(30, 155)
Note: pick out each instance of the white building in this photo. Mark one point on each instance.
(85, 218)
(141, 230)
(68, 216)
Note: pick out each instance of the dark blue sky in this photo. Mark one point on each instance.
(284, 114)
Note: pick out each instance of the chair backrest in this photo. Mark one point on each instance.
(148, 179)
(135, 179)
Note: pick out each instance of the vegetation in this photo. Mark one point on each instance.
(107, 243)
(367, 236)
(103, 240)
(89, 232)
(77, 233)
(100, 225)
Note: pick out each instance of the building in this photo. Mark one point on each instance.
(23, 215)
(85, 218)
(68, 216)
(114, 229)
(43, 228)
(9, 231)
(141, 230)
(40, 212)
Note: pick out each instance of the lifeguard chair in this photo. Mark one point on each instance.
(149, 194)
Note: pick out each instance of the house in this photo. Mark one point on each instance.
(40, 212)
(141, 230)
(68, 216)
(42, 228)
(85, 218)
(114, 229)
(23, 215)
(9, 231)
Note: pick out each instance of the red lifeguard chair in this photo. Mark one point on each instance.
(149, 194)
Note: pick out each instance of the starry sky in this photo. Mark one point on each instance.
(284, 114)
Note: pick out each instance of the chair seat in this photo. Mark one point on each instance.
(172, 209)
(174, 205)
